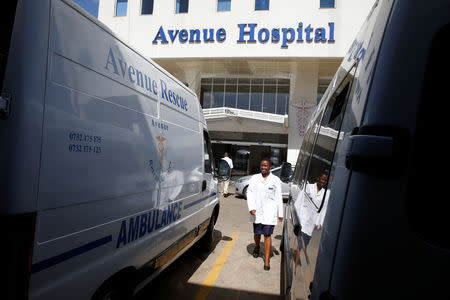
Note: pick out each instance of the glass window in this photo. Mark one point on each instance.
(261, 4)
(269, 100)
(147, 7)
(282, 107)
(270, 95)
(256, 97)
(182, 6)
(223, 5)
(208, 156)
(121, 8)
(217, 95)
(326, 3)
(243, 101)
(230, 95)
(205, 95)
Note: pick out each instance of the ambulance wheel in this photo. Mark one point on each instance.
(244, 192)
(208, 238)
(114, 290)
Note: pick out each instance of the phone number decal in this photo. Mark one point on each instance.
(85, 143)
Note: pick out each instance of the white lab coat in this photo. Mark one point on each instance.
(264, 196)
(307, 204)
(229, 161)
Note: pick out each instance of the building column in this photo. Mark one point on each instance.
(302, 103)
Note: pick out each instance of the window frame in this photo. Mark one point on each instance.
(263, 9)
(116, 6)
(217, 9)
(327, 7)
(142, 5)
(177, 10)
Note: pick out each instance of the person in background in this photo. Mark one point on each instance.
(225, 183)
(265, 204)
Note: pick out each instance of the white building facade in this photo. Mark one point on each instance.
(259, 67)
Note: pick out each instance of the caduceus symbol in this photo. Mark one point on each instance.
(161, 140)
(304, 110)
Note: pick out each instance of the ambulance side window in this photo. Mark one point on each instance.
(207, 152)
(328, 134)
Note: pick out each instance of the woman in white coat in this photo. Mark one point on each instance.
(265, 204)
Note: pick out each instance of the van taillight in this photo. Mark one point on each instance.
(16, 251)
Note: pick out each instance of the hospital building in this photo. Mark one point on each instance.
(259, 67)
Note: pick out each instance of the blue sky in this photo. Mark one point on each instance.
(90, 5)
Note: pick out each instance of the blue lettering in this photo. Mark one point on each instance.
(133, 229)
(111, 60)
(155, 87)
(211, 35)
(143, 226)
(275, 35)
(122, 234)
(286, 40)
(164, 90)
(151, 224)
(266, 33)
(160, 36)
(320, 35)
(172, 36)
(250, 33)
(308, 31)
(123, 67)
(300, 32)
(331, 25)
(183, 37)
(194, 33)
(131, 72)
(221, 35)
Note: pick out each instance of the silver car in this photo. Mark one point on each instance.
(241, 184)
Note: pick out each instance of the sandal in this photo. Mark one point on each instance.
(256, 253)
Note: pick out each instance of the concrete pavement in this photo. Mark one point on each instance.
(229, 271)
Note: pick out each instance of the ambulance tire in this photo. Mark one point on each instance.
(114, 290)
(207, 241)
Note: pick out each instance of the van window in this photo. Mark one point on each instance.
(328, 134)
(207, 152)
(303, 156)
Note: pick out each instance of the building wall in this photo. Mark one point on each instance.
(304, 62)
(141, 30)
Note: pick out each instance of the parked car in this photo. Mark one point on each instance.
(242, 183)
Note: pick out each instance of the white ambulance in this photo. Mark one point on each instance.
(106, 169)
(367, 217)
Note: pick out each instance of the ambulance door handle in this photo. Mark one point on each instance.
(203, 185)
(377, 150)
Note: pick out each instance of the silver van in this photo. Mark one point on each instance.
(362, 221)
(106, 169)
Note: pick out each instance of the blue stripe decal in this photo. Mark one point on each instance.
(52, 261)
(199, 200)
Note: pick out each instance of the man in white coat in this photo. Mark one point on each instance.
(265, 205)
(225, 183)
(308, 203)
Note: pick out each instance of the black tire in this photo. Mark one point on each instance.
(244, 192)
(207, 241)
(113, 291)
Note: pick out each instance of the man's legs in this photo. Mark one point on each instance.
(225, 187)
(267, 248)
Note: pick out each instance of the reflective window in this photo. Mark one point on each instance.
(121, 8)
(269, 95)
(182, 6)
(147, 7)
(327, 4)
(261, 4)
(223, 5)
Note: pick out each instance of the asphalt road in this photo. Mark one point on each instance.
(227, 272)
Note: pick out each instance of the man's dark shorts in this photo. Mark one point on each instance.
(263, 229)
